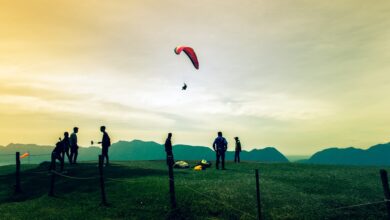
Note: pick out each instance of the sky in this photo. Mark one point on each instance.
(298, 75)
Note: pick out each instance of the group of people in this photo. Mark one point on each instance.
(70, 143)
(220, 146)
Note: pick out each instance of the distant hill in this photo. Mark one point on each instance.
(139, 150)
(375, 155)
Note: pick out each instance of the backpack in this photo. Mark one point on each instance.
(59, 147)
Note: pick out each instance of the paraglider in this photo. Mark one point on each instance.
(191, 54)
(24, 155)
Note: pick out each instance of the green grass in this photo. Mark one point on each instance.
(288, 191)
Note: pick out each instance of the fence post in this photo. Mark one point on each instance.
(258, 195)
(171, 181)
(53, 176)
(17, 173)
(386, 191)
(103, 191)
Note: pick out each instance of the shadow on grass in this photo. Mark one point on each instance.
(36, 182)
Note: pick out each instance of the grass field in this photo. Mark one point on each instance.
(139, 190)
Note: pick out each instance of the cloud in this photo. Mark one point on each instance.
(267, 69)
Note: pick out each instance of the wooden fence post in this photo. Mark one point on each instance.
(17, 173)
(386, 191)
(258, 195)
(103, 191)
(53, 176)
(171, 181)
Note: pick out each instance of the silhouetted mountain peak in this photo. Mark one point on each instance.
(375, 155)
(380, 147)
(137, 141)
(268, 149)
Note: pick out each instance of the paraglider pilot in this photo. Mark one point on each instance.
(220, 147)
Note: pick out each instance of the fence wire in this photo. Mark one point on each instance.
(38, 155)
(73, 177)
(125, 181)
(184, 184)
(360, 205)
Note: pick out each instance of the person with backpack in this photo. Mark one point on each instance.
(66, 147)
(237, 151)
(74, 147)
(56, 155)
(106, 143)
(220, 146)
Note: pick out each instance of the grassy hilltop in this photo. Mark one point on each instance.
(139, 190)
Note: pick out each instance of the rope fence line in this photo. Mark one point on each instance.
(38, 155)
(183, 183)
(125, 181)
(31, 155)
(73, 177)
(360, 205)
(6, 155)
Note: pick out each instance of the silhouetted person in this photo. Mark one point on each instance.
(106, 143)
(66, 147)
(237, 151)
(220, 147)
(56, 155)
(74, 147)
(168, 150)
(184, 87)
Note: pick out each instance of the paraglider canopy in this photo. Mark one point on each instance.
(181, 165)
(190, 53)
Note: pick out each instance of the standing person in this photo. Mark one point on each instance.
(106, 143)
(56, 155)
(220, 147)
(168, 150)
(74, 147)
(238, 150)
(66, 146)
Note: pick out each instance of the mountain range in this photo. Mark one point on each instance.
(375, 155)
(138, 150)
(147, 150)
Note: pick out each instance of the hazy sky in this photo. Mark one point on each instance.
(299, 75)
